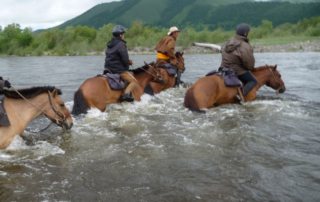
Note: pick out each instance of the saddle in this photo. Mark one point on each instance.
(4, 120)
(229, 77)
(114, 80)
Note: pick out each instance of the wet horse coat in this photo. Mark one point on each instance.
(95, 92)
(211, 91)
(27, 104)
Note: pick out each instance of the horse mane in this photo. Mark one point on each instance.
(178, 53)
(30, 92)
(261, 68)
(142, 69)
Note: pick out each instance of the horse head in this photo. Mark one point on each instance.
(275, 81)
(56, 110)
(155, 72)
(180, 59)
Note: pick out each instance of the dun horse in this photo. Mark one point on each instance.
(26, 104)
(95, 92)
(211, 91)
(169, 80)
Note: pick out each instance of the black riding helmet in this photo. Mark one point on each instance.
(118, 30)
(243, 29)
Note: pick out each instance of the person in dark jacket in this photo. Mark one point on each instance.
(4, 84)
(117, 61)
(237, 54)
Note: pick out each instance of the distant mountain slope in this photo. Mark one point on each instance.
(198, 13)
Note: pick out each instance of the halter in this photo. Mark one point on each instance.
(59, 114)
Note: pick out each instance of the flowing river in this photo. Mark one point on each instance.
(157, 150)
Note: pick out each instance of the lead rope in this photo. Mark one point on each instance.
(23, 97)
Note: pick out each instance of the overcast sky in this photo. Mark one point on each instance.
(39, 14)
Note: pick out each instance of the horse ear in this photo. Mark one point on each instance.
(182, 53)
(275, 67)
(54, 93)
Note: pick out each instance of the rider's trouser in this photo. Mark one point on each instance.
(249, 82)
(133, 83)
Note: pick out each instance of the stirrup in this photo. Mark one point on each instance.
(240, 96)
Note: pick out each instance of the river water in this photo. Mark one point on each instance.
(156, 150)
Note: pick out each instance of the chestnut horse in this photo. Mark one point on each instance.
(24, 105)
(169, 80)
(211, 91)
(95, 92)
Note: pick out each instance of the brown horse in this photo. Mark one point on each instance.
(24, 105)
(169, 80)
(211, 91)
(95, 92)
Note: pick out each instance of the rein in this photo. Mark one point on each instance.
(60, 115)
(154, 76)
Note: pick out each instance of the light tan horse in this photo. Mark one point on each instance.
(169, 80)
(95, 92)
(211, 91)
(24, 105)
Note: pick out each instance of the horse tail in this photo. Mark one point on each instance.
(190, 101)
(80, 105)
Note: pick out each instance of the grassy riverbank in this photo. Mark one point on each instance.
(83, 40)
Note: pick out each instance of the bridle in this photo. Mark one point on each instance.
(277, 80)
(59, 114)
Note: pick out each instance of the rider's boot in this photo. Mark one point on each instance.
(127, 97)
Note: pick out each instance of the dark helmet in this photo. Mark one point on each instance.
(118, 29)
(243, 29)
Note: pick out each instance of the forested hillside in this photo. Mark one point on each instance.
(84, 40)
(197, 13)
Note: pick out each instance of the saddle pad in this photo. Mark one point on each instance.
(229, 77)
(231, 80)
(115, 81)
(171, 69)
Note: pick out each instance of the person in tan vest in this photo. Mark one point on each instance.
(166, 50)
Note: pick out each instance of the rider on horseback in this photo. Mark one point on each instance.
(166, 50)
(237, 54)
(117, 61)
